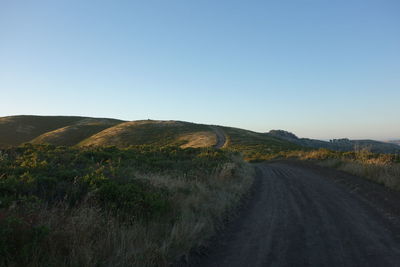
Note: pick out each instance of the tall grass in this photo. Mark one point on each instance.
(51, 232)
(380, 168)
(387, 174)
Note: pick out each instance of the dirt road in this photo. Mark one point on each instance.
(300, 217)
(221, 138)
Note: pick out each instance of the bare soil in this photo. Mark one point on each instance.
(300, 214)
(221, 138)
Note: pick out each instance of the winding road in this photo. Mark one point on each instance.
(297, 216)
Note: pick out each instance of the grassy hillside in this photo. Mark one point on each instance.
(83, 132)
(149, 132)
(73, 134)
(255, 145)
(186, 134)
(15, 130)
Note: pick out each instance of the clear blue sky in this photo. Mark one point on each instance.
(320, 68)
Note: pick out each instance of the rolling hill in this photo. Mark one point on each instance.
(150, 132)
(15, 130)
(73, 134)
(85, 131)
(254, 144)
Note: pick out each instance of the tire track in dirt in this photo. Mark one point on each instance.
(297, 217)
(221, 137)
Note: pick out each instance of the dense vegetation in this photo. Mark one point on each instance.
(143, 205)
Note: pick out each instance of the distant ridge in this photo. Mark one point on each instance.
(343, 144)
(396, 142)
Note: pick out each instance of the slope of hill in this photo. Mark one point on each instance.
(337, 144)
(150, 132)
(254, 144)
(15, 130)
(73, 134)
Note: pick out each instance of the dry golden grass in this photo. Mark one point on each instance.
(113, 134)
(15, 130)
(145, 132)
(380, 172)
(73, 134)
(199, 139)
(380, 168)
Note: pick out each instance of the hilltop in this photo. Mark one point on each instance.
(152, 132)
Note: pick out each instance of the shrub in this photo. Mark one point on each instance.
(140, 206)
(20, 239)
(132, 200)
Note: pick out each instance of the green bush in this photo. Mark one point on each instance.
(65, 206)
(133, 200)
(54, 174)
(19, 240)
